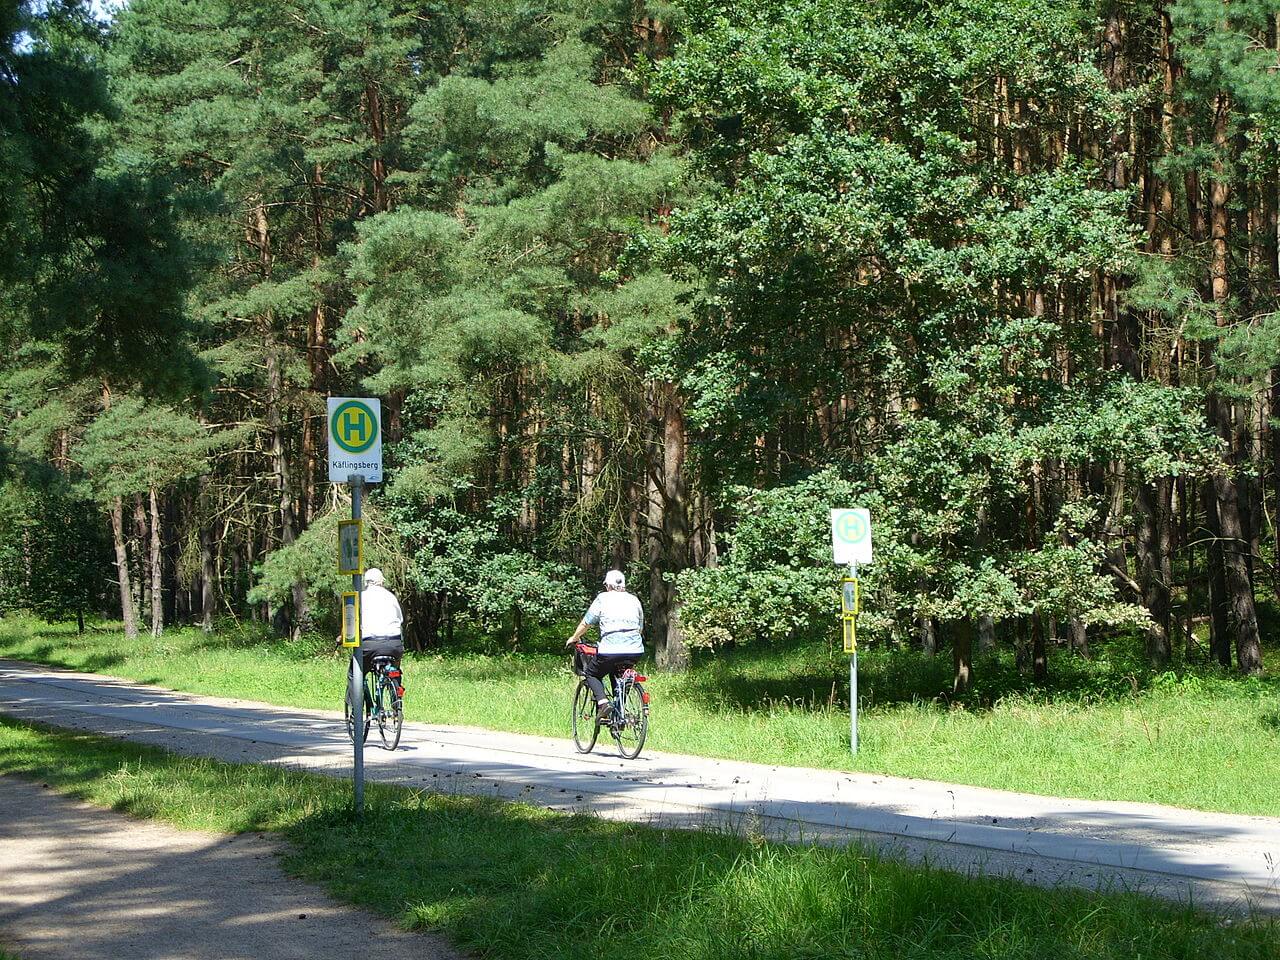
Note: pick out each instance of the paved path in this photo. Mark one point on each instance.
(1210, 857)
(81, 883)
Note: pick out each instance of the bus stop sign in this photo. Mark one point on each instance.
(851, 536)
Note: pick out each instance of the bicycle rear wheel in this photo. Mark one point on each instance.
(585, 728)
(631, 731)
(347, 713)
(390, 714)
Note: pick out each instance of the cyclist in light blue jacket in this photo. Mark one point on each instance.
(620, 618)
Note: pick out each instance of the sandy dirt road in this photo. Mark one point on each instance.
(80, 883)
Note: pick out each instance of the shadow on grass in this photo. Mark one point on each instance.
(765, 679)
(510, 880)
(255, 637)
(749, 679)
(57, 656)
(513, 881)
(448, 862)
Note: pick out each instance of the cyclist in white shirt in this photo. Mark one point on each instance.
(381, 620)
(620, 618)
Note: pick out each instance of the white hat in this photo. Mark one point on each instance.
(374, 575)
(615, 579)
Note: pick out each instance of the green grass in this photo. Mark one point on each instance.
(1103, 729)
(513, 881)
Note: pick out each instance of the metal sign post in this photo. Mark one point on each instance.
(849, 602)
(357, 660)
(851, 544)
(355, 457)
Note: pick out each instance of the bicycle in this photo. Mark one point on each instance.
(384, 703)
(628, 720)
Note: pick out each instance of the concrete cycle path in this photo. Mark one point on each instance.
(81, 883)
(1222, 859)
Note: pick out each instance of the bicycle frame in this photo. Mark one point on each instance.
(621, 685)
(375, 681)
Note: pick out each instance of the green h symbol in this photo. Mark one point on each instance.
(353, 426)
(353, 422)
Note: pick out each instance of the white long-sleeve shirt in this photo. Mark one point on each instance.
(380, 613)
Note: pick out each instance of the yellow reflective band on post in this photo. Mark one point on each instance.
(351, 619)
(850, 633)
(850, 597)
(350, 547)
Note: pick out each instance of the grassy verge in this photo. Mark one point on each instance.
(512, 881)
(1104, 729)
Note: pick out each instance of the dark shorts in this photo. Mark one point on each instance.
(371, 647)
(601, 665)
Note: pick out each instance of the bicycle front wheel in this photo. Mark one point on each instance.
(347, 717)
(390, 714)
(631, 731)
(585, 728)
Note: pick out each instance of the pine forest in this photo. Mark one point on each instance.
(650, 285)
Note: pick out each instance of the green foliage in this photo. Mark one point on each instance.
(312, 560)
(53, 553)
(777, 580)
(521, 584)
(865, 249)
(858, 230)
(89, 255)
(519, 268)
(465, 557)
(135, 446)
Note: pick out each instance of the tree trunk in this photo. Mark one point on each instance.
(1164, 550)
(928, 635)
(674, 654)
(962, 657)
(1078, 636)
(1219, 636)
(142, 585)
(157, 569)
(313, 431)
(1274, 395)
(208, 576)
(658, 590)
(986, 634)
(1243, 618)
(1022, 645)
(127, 611)
(1155, 592)
(1039, 651)
(275, 422)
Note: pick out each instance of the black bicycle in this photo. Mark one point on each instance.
(628, 719)
(383, 703)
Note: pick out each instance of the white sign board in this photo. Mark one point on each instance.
(355, 439)
(851, 536)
